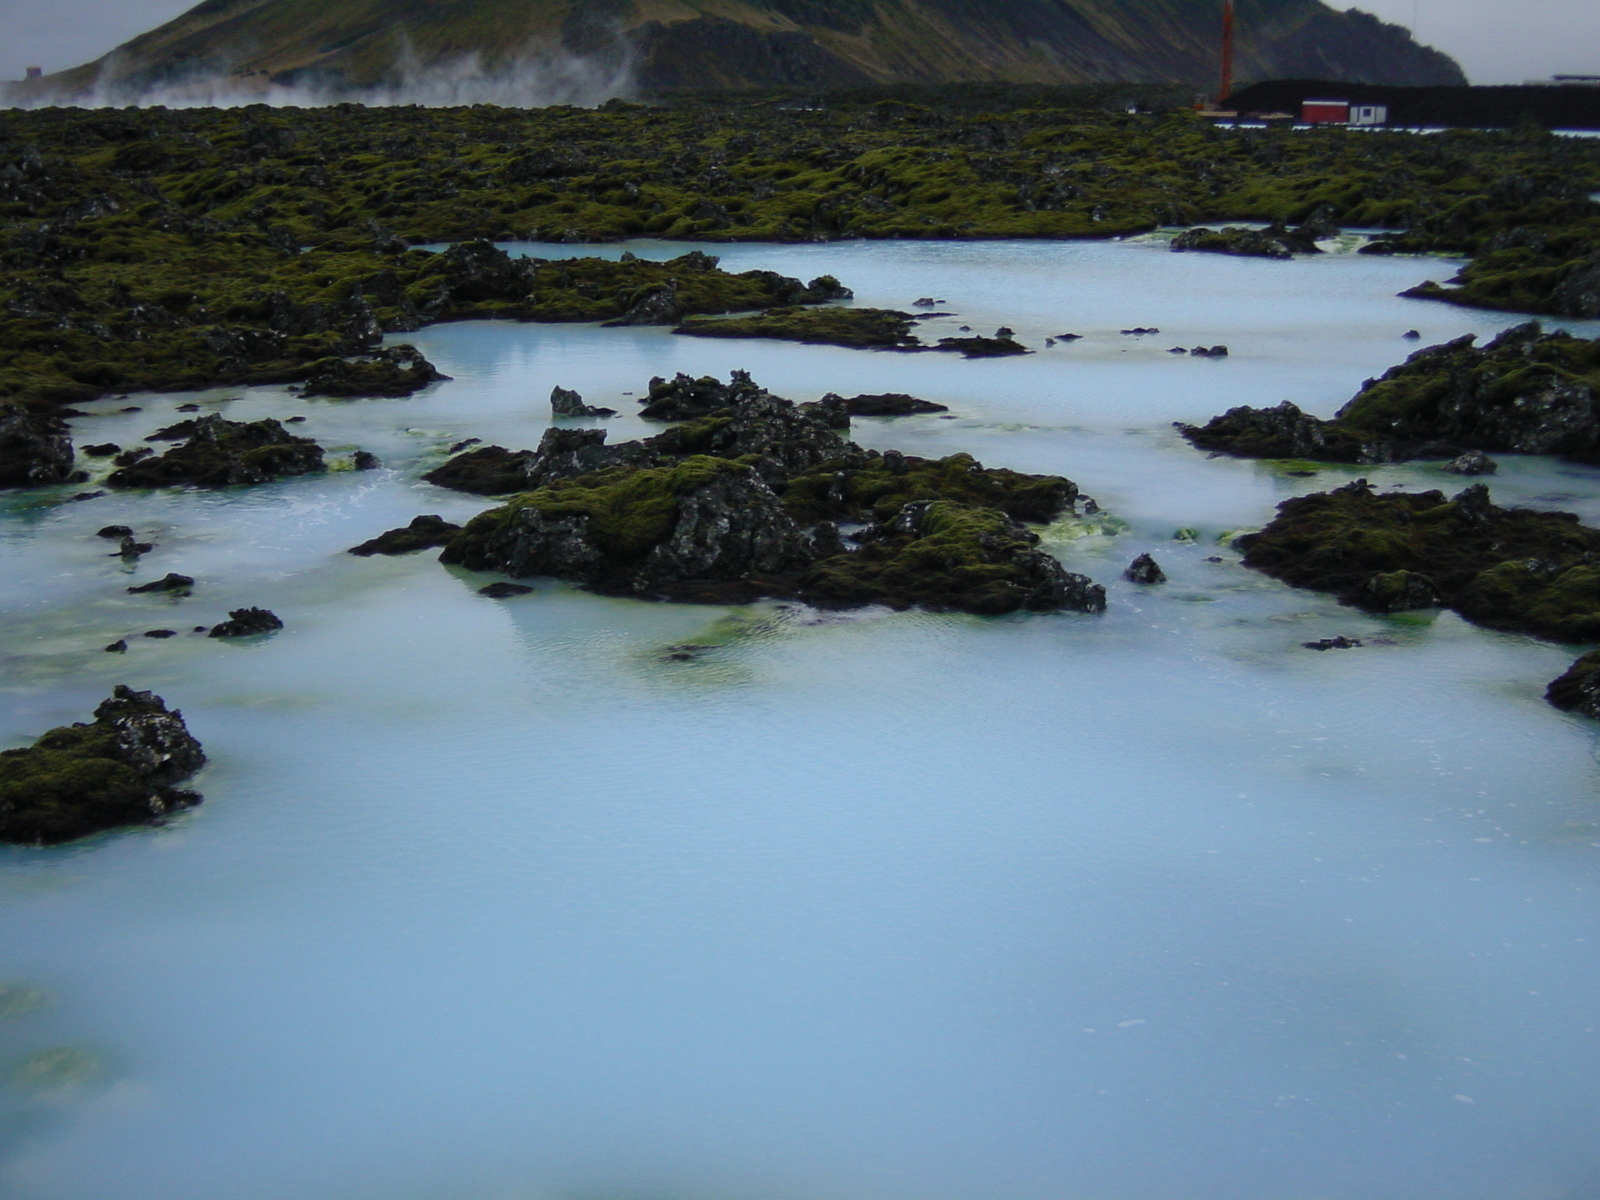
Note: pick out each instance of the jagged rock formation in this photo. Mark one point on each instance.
(741, 499)
(1525, 392)
(84, 778)
(247, 45)
(35, 449)
(219, 453)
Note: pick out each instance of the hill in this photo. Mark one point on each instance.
(462, 50)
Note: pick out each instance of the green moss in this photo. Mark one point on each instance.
(847, 492)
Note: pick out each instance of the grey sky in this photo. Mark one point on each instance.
(1496, 41)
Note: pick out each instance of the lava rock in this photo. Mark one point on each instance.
(392, 372)
(85, 778)
(1578, 689)
(504, 590)
(1399, 591)
(640, 532)
(35, 449)
(1144, 569)
(117, 647)
(885, 404)
(485, 471)
(982, 347)
(171, 582)
(102, 450)
(365, 460)
(160, 634)
(423, 533)
(220, 453)
(1473, 462)
(115, 533)
(941, 555)
(1339, 642)
(567, 403)
(246, 622)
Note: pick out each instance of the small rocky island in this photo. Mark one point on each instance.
(1506, 568)
(121, 769)
(744, 498)
(1525, 392)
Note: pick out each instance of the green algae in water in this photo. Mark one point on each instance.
(55, 1069)
(20, 999)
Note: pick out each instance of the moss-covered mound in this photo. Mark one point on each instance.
(740, 501)
(85, 778)
(942, 555)
(1507, 568)
(877, 486)
(484, 471)
(1277, 240)
(395, 371)
(1578, 689)
(220, 453)
(859, 328)
(640, 531)
(1525, 392)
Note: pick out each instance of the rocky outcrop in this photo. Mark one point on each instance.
(884, 404)
(858, 328)
(1578, 689)
(1525, 392)
(35, 449)
(247, 622)
(641, 532)
(1507, 568)
(84, 778)
(221, 453)
(395, 371)
(484, 471)
(1277, 240)
(683, 399)
(1283, 431)
(942, 555)
(566, 403)
(424, 533)
(1144, 569)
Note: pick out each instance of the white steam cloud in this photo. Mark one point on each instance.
(533, 79)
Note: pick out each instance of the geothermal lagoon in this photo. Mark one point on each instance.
(514, 899)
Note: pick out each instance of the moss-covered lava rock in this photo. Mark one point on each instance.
(121, 769)
(35, 449)
(221, 453)
(394, 371)
(859, 328)
(943, 555)
(1507, 568)
(1525, 392)
(641, 531)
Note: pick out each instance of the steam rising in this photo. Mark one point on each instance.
(533, 79)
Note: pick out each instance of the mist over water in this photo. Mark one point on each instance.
(498, 901)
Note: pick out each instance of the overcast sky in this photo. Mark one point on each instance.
(1495, 41)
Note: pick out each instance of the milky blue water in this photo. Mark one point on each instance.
(492, 900)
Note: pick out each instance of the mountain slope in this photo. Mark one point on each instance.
(669, 44)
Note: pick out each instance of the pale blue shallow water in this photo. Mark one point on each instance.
(491, 900)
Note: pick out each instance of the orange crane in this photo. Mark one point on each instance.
(1227, 53)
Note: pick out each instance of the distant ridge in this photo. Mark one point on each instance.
(453, 50)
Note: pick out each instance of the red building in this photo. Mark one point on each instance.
(1325, 112)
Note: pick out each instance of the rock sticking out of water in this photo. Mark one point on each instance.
(219, 453)
(1144, 569)
(424, 532)
(171, 582)
(567, 403)
(246, 622)
(84, 778)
